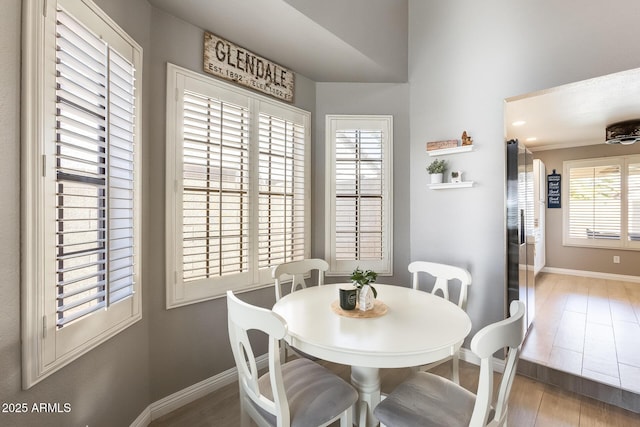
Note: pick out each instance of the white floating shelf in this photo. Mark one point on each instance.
(448, 185)
(454, 150)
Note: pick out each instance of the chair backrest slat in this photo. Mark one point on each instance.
(295, 271)
(443, 274)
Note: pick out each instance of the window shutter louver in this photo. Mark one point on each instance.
(359, 198)
(595, 202)
(121, 177)
(94, 172)
(216, 184)
(604, 202)
(359, 195)
(80, 183)
(237, 188)
(281, 178)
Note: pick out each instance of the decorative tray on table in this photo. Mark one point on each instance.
(379, 309)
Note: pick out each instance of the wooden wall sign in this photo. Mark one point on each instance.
(228, 61)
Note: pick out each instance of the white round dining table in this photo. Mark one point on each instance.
(418, 328)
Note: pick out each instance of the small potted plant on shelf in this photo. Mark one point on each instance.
(436, 170)
(362, 280)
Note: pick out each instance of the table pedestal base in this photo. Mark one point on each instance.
(367, 382)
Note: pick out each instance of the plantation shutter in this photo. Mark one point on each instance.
(94, 172)
(633, 191)
(215, 205)
(121, 177)
(595, 202)
(359, 195)
(237, 189)
(281, 217)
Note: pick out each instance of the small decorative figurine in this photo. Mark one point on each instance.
(466, 140)
(366, 298)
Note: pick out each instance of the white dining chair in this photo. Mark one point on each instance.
(299, 393)
(443, 274)
(426, 399)
(295, 271)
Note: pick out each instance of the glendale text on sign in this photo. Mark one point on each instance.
(224, 59)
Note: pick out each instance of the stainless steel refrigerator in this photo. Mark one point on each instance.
(520, 227)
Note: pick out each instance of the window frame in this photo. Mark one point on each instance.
(623, 243)
(45, 347)
(178, 293)
(333, 122)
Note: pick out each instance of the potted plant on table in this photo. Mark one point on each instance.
(362, 280)
(436, 170)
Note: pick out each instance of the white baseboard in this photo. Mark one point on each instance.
(190, 394)
(469, 356)
(593, 274)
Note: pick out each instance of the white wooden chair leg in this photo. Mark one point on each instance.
(283, 352)
(245, 420)
(456, 368)
(363, 414)
(346, 420)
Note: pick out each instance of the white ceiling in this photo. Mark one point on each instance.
(575, 114)
(326, 41)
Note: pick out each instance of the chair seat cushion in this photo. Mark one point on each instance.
(427, 400)
(315, 394)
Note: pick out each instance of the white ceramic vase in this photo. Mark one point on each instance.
(365, 298)
(436, 178)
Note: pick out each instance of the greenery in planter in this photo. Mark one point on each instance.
(437, 166)
(360, 278)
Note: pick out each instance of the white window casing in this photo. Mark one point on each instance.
(633, 200)
(237, 187)
(81, 183)
(359, 204)
(602, 206)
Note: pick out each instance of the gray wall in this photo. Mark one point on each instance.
(166, 351)
(180, 356)
(583, 259)
(465, 58)
(366, 98)
(108, 386)
(187, 344)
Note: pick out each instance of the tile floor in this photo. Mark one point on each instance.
(588, 327)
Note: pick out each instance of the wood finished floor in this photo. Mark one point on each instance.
(588, 327)
(532, 404)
